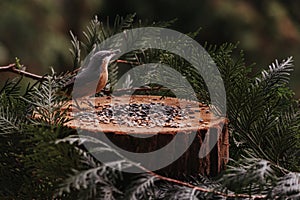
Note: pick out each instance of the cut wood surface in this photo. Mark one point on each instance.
(142, 124)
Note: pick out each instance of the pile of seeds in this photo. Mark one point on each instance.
(140, 115)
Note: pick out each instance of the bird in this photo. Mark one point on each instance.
(93, 75)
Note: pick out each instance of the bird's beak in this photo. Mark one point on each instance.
(113, 54)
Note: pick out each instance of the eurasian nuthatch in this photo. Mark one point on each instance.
(93, 75)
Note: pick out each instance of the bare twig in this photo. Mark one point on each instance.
(128, 62)
(12, 68)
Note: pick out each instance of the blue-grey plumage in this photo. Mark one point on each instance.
(93, 76)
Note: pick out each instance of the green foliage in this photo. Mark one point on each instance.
(42, 158)
(287, 187)
(267, 118)
(47, 102)
(29, 127)
(96, 33)
(75, 51)
(9, 121)
(264, 117)
(251, 175)
(12, 121)
(137, 188)
(170, 191)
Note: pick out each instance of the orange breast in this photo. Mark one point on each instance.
(102, 81)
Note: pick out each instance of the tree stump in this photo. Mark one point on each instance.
(143, 124)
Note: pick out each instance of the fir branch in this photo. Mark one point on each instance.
(97, 174)
(279, 137)
(121, 24)
(278, 73)
(11, 88)
(9, 122)
(256, 175)
(11, 107)
(86, 157)
(87, 139)
(47, 100)
(251, 176)
(113, 74)
(288, 187)
(94, 34)
(263, 118)
(85, 179)
(75, 51)
(141, 188)
(203, 189)
(182, 193)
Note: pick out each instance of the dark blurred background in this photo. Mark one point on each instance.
(37, 31)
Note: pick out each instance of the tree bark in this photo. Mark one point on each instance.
(199, 131)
